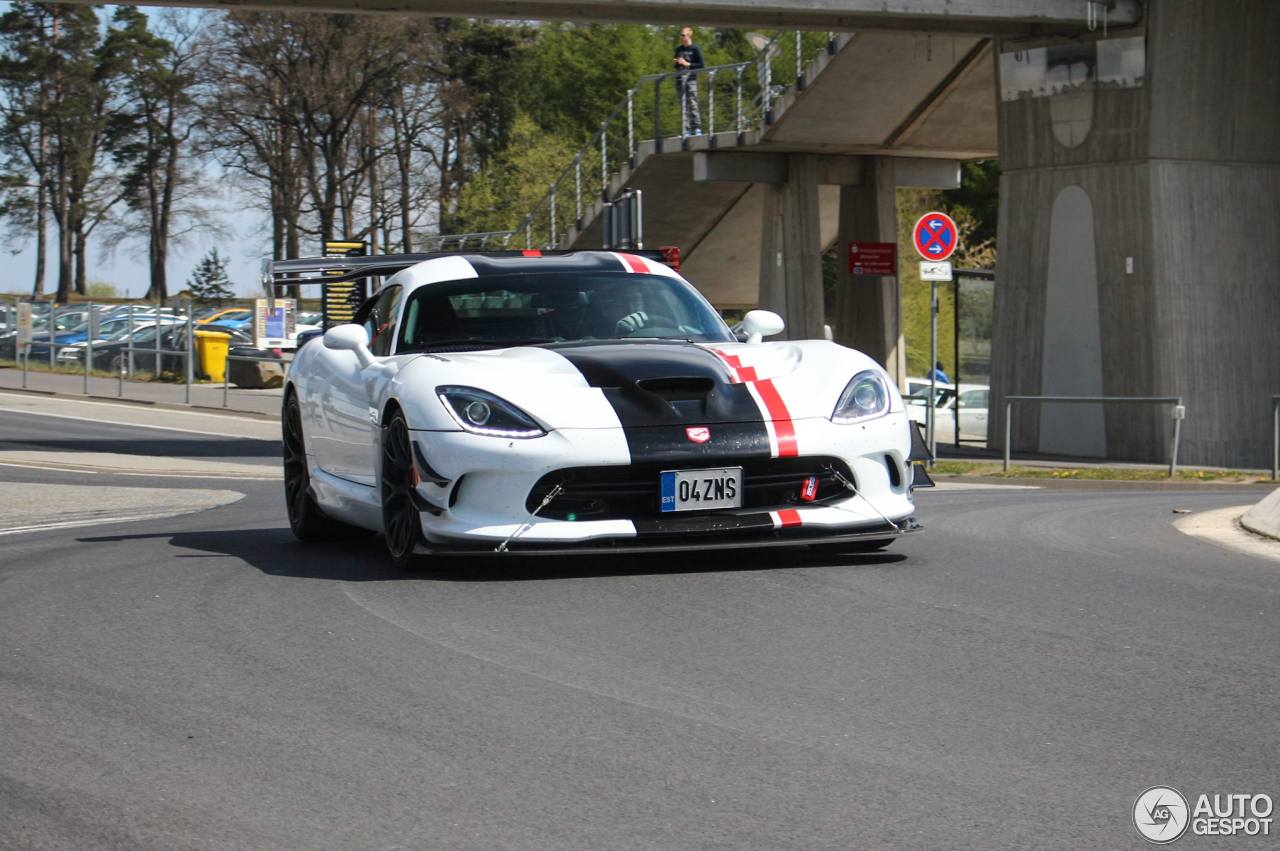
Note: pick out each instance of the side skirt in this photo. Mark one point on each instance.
(347, 501)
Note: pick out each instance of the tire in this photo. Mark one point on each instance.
(306, 520)
(854, 546)
(401, 522)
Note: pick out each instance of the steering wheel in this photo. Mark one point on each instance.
(656, 323)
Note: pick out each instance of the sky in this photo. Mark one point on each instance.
(126, 267)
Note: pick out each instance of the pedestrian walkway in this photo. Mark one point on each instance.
(153, 393)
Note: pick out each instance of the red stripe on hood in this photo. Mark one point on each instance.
(784, 429)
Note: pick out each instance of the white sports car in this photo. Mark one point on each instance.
(589, 401)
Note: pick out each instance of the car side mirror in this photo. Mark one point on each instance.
(759, 324)
(350, 338)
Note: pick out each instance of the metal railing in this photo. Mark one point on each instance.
(1179, 413)
(226, 372)
(731, 98)
(187, 355)
(127, 354)
(54, 350)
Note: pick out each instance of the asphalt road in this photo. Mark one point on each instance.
(1012, 678)
(20, 430)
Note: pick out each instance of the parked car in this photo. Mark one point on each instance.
(108, 326)
(109, 331)
(236, 317)
(972, 408)
(63, 321)
(111, 353)
(917, 399)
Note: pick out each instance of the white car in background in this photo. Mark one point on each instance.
(917, 399)
(970, 405)
(972, 408)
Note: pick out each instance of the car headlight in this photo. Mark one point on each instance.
(865, 397)
(484, 413)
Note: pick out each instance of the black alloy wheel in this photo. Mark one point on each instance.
(401, 522)
(305, 518)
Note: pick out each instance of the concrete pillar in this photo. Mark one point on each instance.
(791, 250)
(869, 309)
(773, 274)
(1182, 175)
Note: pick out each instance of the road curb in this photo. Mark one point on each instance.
(127, 402)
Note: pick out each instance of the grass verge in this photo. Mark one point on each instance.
(1122, 474)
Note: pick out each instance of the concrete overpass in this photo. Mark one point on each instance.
(876, 111)
(1020, 18)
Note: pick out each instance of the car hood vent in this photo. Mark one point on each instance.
(662, 383)
(683, 389)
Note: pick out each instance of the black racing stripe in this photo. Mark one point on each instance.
(706, 524)
(547, 263)
(660, 389)
(672, 443)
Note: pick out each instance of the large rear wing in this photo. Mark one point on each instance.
(343, 276)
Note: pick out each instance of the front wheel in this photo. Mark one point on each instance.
(401, 522)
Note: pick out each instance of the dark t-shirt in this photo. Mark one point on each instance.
(693, 54)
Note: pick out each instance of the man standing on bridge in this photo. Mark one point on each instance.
(688, 58)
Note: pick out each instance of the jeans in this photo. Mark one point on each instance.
(687, 90)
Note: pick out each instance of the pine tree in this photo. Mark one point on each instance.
(209, 281)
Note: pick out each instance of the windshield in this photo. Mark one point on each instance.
(556, 308)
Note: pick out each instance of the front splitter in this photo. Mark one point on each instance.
(778, 538)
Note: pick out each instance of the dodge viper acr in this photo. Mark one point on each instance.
(586, 401)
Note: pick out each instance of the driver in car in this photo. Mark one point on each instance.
(635, 320)
(628, 304)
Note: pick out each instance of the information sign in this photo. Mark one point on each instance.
(930, 271)
(275, 326)
(873, 258)
(935, 236)
(25, 326)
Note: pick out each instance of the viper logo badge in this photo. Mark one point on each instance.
(698, 435)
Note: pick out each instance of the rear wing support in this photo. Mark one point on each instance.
(342, 277)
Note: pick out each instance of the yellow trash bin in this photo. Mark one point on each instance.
(212, 348)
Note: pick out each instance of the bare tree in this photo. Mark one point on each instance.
(151, 135)
(54, 92)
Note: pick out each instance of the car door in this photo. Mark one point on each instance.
(345, 418)
(973, 412)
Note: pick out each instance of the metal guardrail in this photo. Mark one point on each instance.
(126, 364)
(187, 355)
(1179, 413)
(732, 98)
(226, 372)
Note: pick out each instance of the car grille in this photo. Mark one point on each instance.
(632, 492)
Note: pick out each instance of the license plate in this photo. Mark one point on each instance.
(692, 490)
